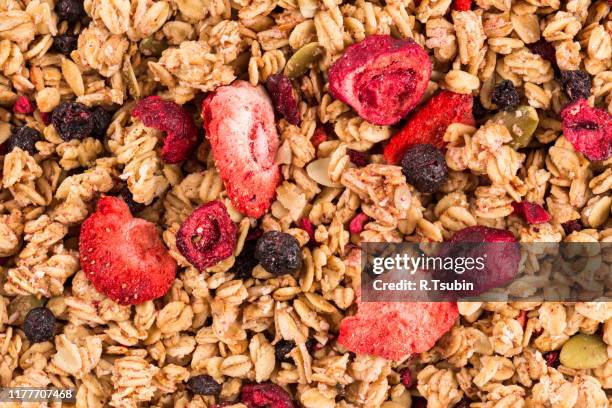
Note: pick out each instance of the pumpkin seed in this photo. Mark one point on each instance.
(584, 351)
(521, 122)
(152, 47)
(301, 60)
(317, 170)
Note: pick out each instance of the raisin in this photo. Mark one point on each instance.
(552, 358)
(70, 10)
(576, 84)
(266, 395)
(245, 261)
(25, 138)
(65, 43)
(505, 95)
(282, 350)
(203, 385)
(359, 159)
(283, 97)
(571, 226)
(425, 167)
(101, 119)
(72, 120)
(126, 194)
(39, 325)
(279, 253)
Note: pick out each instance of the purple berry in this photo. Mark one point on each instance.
(70, 10)
(25, 138)
(505, 95)
(425, 167)
(72, 120)
(65, 43)
(39, 325)
(279, 253)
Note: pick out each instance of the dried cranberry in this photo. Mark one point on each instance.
(425, 167)
(207, 236)
(358, 222)
(307, 226)
(23, 105)
(359, 159)
(588, 129)
(245, 261)
(126, 194)
(571, 226)
(70, 10)
(266, 395)
(101, 120)
(533, 213)
(505, 95)
(576, 84)
(406, 377)
(284, 98)
(282, 350)
(319, 136)
(545, 50)
(279, 253)
(72, 120)
(65, 43)
(25, 138)
(203, 385)
(39, 325)
(552, 358)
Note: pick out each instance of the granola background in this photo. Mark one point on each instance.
(216, 323)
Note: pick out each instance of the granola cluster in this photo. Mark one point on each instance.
(233, 334)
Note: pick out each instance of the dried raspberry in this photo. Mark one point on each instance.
(576, 84)
(245, 261)
(70, 10)
(72, 120)
(571, 226)
(25, 138)
(319, 136)
(266, 395)
(462, 5)
(357, 223)
(381, 77)
(65, 43)
(552, 358)
(23, 105)
(545, 50)
(359, 159)
(101, 120)
(203, 385)
(533, 213)
(588, 129)
(406, 378)
(279, 253)
(167, 116)
(39, 325)
(307, 226)
(207, 236)
(284, 98)
(425, 167)
(505, 95)
(429, 123)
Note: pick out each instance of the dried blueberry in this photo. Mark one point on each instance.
(245, 261)
(425, 167)
(279, 253)
(39, 325)
(72, 120)
(126, 194)
(282, 350)
(576, 84)
(70, 10)
(65, 43)
(505, 95)
(25, 138)
(203, 385)
(101, 119)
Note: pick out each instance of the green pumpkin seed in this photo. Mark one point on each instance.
(21, 305)
(521, 122)
(152, 47)
(301, 60)
(584, 351)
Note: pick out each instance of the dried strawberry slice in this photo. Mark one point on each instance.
(167, 116)
(533, 213)
(588, 129)
(381, 77)
(462, 5)
(428, 124)
(266, 395)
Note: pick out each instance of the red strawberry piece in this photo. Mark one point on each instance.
(266, 395)
(428, 124)
(462, 5)
(307, 226)
(588, 129)
(239, 123)
(23, 105)
(319, 136)
(394, 330)
(533, 213)
(167, 116)
(123, 256)
(207, 236)
(284, 98)
(382, 78)
(357, 223)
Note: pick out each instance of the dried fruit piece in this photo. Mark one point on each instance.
(284, 98)
(428, 124)
(127, 196)
(239, 123)
(571, 226)
(552, 358)
(72, 120)
(167, 116)
(478, 110)
(319, 136)
(39, 325)
(521, 123)
(533, 213)
(279, 253)
(424, 166)
(123, 256)
(101, 120)
(70, 10)
(545, 50)
(207, 236)
(282, 350)
(307, 226)
(203, 385)
(406, 378)
(359, 159)
(583, 351)
(505, 95)
(23, 105)
(588, 129)
(266, 395)
(302, 59)
(245, 261)
(381, 77)
(65, 43)
(462, 5)
(358, 222)
(576, 84)
(25, 138)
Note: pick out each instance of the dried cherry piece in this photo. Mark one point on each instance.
(25, 138)
(359, 159)
(65, 43)
(571, 226)
(23, 105)
(72, 120)
(207, 236)
(406, 377)
(284, 98)
(126, 195)
(358, 222)
(39, 325)
(307, 226)
(101, 120)
(533, 213)
(424, 166)
(319, 136)
(266, 395)
(545, 50)
(279, 253)
(588, 129)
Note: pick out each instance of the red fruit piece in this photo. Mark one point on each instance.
(45, 117)
(394, 330)
(319, 136)
(429, 123)
(266, 395)
(462, 5)
(207, 236)
(307, 226)
(239, 123)
(533, 213)
(357, 223)
(588, 129)
(23, 105)
(381, 77)
(406, 378)
(359, 159)
(167, 116)
(123, 256)
(283, 96)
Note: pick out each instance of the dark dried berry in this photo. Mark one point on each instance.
(283, 97)
(126, 194)
(406, 378)
(23, 105)
(101, 119)
(25, 138)
(282, 350)
(479, 111)
(464, 403)
(552, 358)
(70, 10)
(72, 120)
(571, 226)
(576, 84)
(278, 252)
(266, 395)
(245, 261)
(203, 385)
(545, 50)
(505, 95)
(419, 402)
(65, 43)
(425, 167)
(359, 159)
(39, 325)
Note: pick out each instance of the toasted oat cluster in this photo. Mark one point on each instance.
(184, 185)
